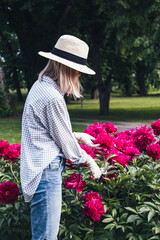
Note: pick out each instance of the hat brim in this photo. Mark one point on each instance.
(76, 66)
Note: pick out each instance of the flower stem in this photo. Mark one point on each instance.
(13, 173)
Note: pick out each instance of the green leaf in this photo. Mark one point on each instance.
(154, 238)
(111, 156)
(140, 237)
(151, 205)
(150, 215)
(123, 216)
(156, 230)
(114, 212)
(110, 226)
(9, 206)
(1, 221)
(17, 205)
(132, 238)
(132, 218)
(157, 166)
(131, 209)
(107, 220)
(144, 209)
(2, 209)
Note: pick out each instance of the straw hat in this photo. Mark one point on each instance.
(70, 51)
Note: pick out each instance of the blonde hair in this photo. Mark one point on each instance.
(66, 77)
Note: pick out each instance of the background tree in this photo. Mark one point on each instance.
(123, 36)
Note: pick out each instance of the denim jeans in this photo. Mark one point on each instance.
(46, 202)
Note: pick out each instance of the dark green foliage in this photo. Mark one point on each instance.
(132, 203)
(14, 218)
(5, 109)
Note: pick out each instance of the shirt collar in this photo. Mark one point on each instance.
(51, 81)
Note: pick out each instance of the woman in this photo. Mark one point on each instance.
(47, 138)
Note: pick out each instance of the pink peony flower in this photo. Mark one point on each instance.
(90, 195)
(143, 136)
(132, 151)
(12, 152)
(88, 150)
(123, 144)
(8, 192)
(109, 127)
(95, 129)
(3, 147)
(127, 134)
(120, 157)
(74, 181)
(156, 127)
(106, 140)
(153, 151)
(94, 209)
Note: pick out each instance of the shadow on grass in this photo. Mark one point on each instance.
(144, 115)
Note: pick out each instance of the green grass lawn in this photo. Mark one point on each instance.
(10, 129)
(131, 109)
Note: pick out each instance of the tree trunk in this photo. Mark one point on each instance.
(104, 88)
(3, 87)
(18, 89)
(104, 95)
(6, 105)
(93, 93)
(127, 86)
(141, 81)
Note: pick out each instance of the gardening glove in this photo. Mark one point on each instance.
(93, 167)
(86, 139)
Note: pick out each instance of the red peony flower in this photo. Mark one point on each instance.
(12, 152)
(127, 134)
(90, 195)
(156, 127)
(123, 144)
(109, 127)
(106, 140)
(3, 147)
(95, 129)
(74, 181)
(143, 136)
(153, 151)
(120, 157)
(132, 151)
(94, 209)
(8, 192)
(88, 150)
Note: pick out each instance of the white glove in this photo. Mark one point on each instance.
(93, 167)
(86, 139)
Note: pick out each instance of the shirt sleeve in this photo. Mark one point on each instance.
(61, 131)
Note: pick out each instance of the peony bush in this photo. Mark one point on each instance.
(14, 213)
(123, 204)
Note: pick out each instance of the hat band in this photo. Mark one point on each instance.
(69, 56)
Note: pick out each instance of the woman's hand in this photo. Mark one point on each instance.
(93, 167)
(86, 139)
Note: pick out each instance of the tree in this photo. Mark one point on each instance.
(5, 101)
(37, 25)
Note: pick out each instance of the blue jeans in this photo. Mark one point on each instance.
(46, 202)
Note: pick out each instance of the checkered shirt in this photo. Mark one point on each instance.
(46, 133)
